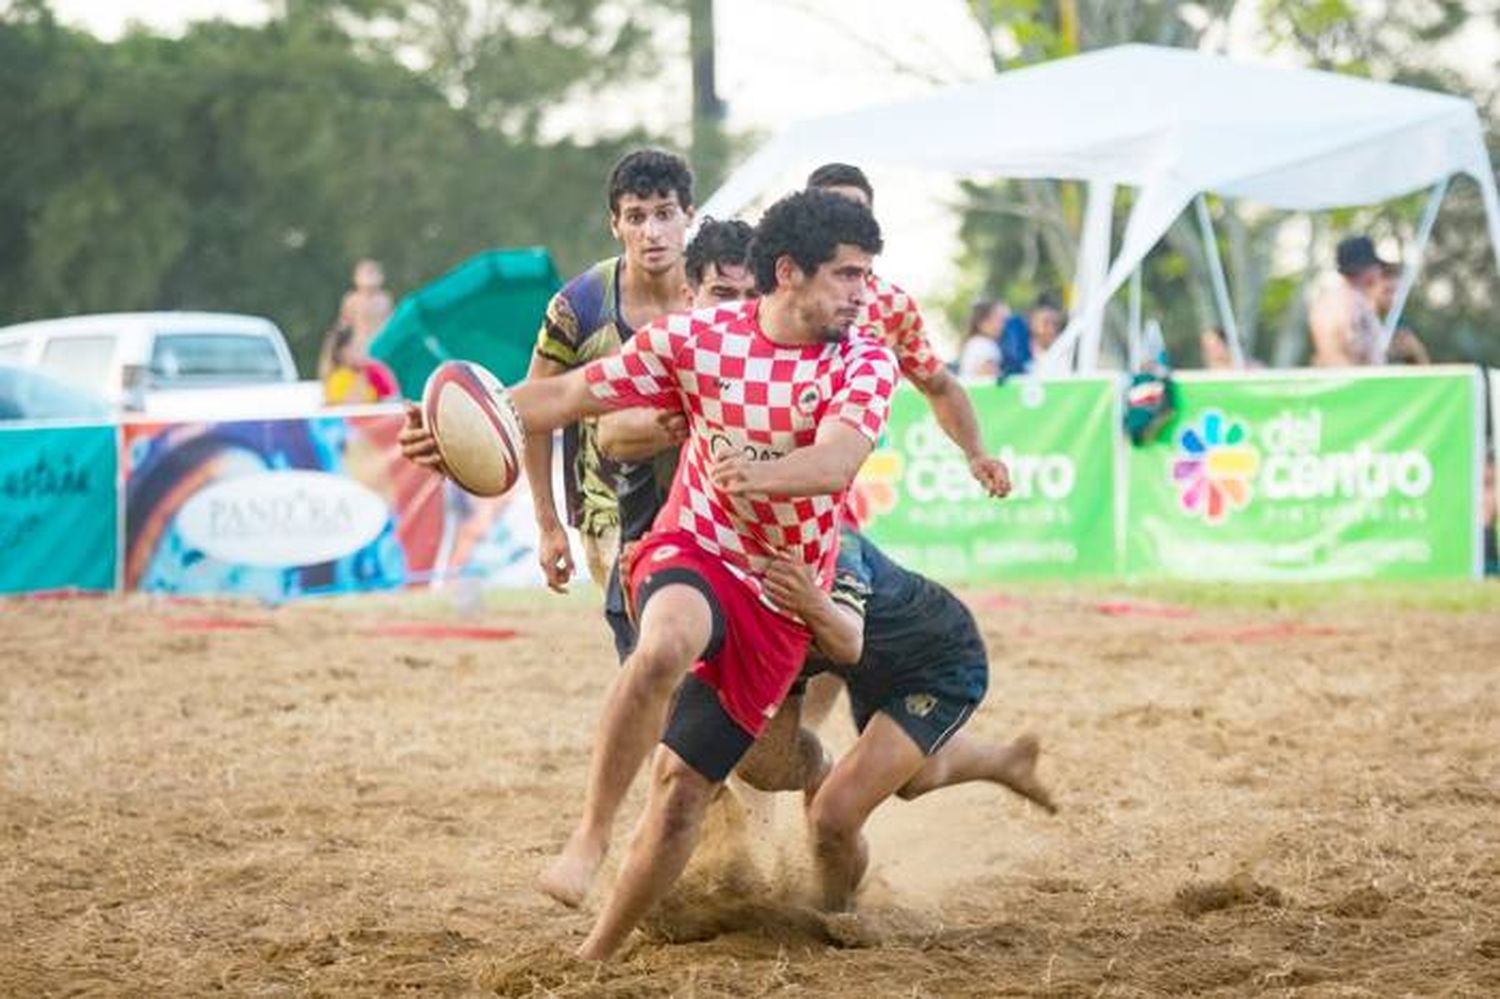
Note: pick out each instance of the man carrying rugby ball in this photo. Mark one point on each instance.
(783, 406)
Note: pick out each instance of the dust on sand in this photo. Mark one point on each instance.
(1251, 802)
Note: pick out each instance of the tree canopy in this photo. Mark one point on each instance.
(246, 168)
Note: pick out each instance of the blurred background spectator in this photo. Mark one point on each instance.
(354, 377)
(1217, 356)
(364, 309)
(1342, 318)
(980, 357)
(1215, 345)
(1026, 337)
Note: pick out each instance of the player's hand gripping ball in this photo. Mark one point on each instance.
(476, 426)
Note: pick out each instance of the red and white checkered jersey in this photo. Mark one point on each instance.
(894, 319)
(743, 392)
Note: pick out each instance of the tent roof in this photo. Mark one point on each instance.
(1173, 123)
(1140, 115)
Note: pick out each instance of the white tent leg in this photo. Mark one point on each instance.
(1093, 266)
(1221, 285)
(1412, 265)
(1155, 208)
(1135, 346)
(1486, 181)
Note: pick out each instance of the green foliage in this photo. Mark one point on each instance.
(246, 168)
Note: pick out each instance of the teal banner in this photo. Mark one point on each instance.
(920, 503)
(58, 508)
(1311, 476)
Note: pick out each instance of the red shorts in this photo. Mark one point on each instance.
(760, 652)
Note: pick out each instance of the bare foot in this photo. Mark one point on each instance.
(571, 873)
(1019, 773)
(842, 874)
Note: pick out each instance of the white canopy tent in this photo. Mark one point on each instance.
(1172, 123)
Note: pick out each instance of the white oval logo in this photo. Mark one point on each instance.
(282, 518)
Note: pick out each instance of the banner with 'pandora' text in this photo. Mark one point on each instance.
(279, 509)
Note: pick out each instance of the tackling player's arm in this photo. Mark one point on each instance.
(638, 434)
(837, 630)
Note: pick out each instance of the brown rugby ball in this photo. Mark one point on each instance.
(479, 433)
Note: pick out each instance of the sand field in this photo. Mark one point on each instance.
(1257, 798)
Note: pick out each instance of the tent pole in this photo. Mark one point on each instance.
(1135, 319)
(1093, 267)
(1221, 285)
(1413, 264)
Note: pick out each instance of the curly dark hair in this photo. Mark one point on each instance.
(723, 244)
(648, 172)
(841, 175)
(809, 226)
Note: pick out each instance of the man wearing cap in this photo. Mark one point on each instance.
(1345, 328)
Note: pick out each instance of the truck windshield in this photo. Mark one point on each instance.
(186, 358)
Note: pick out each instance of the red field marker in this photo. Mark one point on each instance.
(434, 629)
(1263, 633)
(998, 602)
(1131, 608)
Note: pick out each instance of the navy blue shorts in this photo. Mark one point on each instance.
(929, 710)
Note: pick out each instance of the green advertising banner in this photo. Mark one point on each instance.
(1309, 476)
(918, 501)
(58, 514)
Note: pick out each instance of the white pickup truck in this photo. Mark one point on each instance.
(172, 365)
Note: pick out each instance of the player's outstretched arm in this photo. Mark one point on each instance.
(839, 633)
(544, 405)
(827, 467)
(548, 404)
(954, 412)
(641, 433)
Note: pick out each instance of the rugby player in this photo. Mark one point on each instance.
(717, 264)
(914, 662)
(892, 315)
(650, 198)
(783, 406)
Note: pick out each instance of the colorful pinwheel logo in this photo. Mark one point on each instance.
(1214, 467)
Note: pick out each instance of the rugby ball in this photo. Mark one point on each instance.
(477, 428)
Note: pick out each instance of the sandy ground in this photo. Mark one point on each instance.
(1255, 801)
